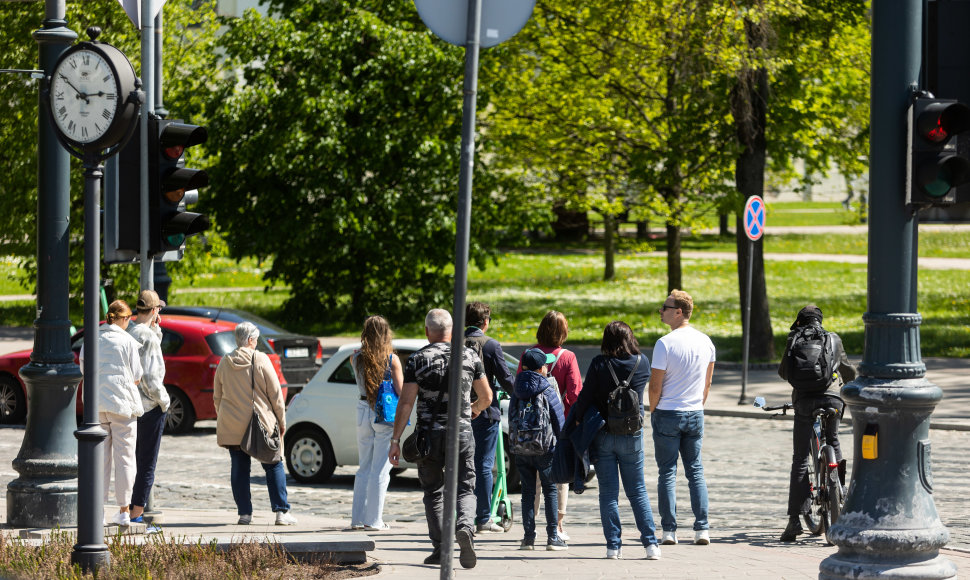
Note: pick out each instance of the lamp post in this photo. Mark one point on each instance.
(889, 527)
(45, 493)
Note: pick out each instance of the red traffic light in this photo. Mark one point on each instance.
(939, 121)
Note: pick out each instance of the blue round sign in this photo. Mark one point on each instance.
(754, 218)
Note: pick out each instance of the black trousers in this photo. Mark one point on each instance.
(431, 476)
(799, 486)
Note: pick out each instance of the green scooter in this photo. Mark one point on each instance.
(501, 509)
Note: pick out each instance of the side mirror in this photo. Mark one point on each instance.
(759, 402)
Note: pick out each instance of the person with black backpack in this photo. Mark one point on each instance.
(614, 388)
(816, 367)
(535, 421)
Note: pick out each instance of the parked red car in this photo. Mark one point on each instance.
(192, 348)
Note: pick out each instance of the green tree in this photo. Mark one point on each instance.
(801, 92)
(335, 152)
(616, 106)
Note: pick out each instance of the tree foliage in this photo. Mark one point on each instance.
(617, 107)
(335, 151)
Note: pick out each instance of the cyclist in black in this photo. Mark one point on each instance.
(804, 405)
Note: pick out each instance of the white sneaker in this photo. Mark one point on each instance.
(702, 537)
(563, 535)
(669, 539)
(245, 519)
(284, 519)
(121, 518)
(614, 554)
(653, 552)
(381, 528)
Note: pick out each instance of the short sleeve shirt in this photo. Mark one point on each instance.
(684, 356)
(429, 369)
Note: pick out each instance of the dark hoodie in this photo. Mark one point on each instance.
(528, 384)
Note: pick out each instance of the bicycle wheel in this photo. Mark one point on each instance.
(815, 518)
(833, 489)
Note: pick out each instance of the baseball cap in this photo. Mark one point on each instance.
(148, 299)
(534, 358)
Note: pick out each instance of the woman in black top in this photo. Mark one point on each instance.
(619, 455)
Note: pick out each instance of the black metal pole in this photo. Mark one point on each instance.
(889, 527)
(463, 227)
(45, 493)
(746, 326)
(90, 552)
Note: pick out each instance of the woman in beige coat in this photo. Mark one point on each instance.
(234, 396)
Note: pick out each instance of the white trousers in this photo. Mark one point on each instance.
(119, 450)
(374, 473)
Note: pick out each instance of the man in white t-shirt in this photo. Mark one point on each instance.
(680, 379)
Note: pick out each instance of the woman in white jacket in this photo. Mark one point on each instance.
(119, 404)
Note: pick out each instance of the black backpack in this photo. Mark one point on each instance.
(624, 409)
(811, 359)
(530, 427)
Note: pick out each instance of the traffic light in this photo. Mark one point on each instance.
(935, 165)
(172, 186)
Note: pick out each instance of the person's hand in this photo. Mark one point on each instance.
(394, 453)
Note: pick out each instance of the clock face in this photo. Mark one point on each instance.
(84, 96)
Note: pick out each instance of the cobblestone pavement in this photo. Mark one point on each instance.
(746, 464)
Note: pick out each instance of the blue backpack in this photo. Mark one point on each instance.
(530, 427)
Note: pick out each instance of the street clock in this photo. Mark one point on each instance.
(91, 95)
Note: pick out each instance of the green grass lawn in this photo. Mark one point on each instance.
(524, 286)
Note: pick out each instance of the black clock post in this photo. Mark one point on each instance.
(74, 102)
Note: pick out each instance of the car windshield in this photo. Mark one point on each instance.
(222, 343)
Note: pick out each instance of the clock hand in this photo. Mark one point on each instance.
(80, 95)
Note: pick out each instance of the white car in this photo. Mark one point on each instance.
(321, 420)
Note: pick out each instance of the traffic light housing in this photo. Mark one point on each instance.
(172, 186)
(935, 166)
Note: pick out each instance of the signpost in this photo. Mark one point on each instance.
(753, 219)
(465, 25)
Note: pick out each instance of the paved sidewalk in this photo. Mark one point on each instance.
(400, 551)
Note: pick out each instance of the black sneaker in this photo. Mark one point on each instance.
(528, 544)
(556, 543)
(792, 531)
(467, 557)
(434, 558)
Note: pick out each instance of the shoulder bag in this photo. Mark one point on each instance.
(257, 442)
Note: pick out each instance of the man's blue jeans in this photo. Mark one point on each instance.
(486, 439)
(239, 478)
(679, 433)
(528, 468)
(621, 457)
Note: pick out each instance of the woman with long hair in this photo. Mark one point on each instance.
(550, 336)
(618, 452)
(119, 404)
(373, 363)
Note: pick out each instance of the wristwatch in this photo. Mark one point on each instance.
(395, 440)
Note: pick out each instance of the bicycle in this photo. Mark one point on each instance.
(825, 472)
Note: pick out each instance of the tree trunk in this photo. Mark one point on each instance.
(749, 104)
(723, 230)
(674, 271)
(609, 227)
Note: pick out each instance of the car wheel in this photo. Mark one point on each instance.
(181, 415)
(13, 403)
(309, 455)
